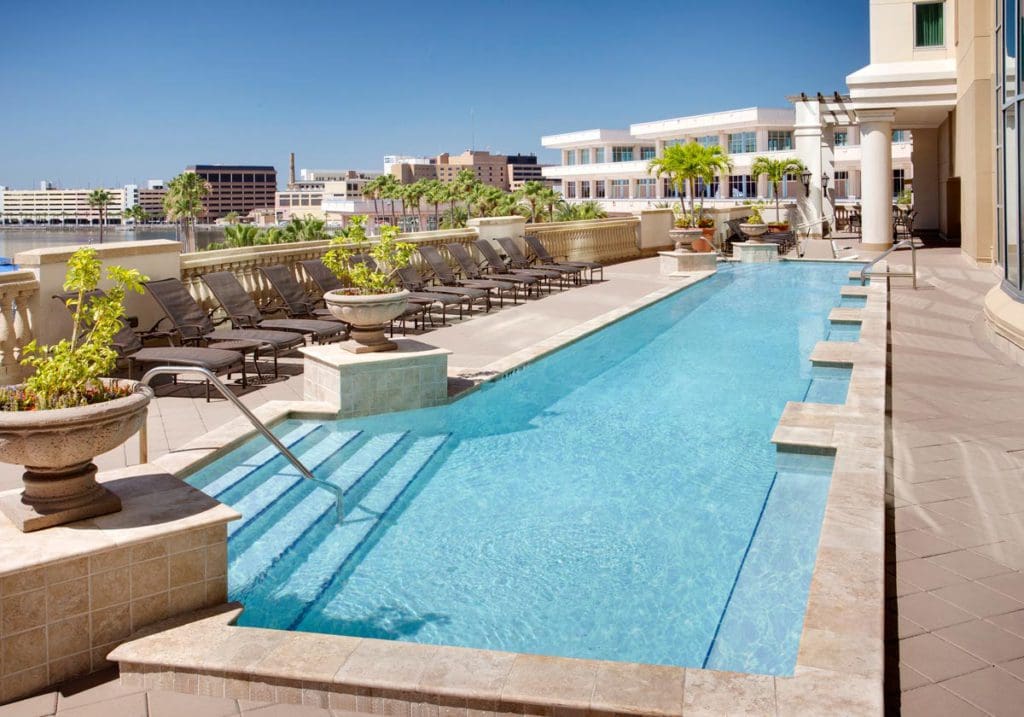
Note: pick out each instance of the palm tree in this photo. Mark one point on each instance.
(414, 195)
(371, 190)
(435, 192)
(231, 217)
(238, 235)
(549, 198)
(532, 192)
(136, 213)
(685, 163)
(184, 202)
(485, 200)
(389, 189)
(99, 199)
(776, 171)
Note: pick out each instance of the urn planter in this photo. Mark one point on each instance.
(57, 447)
(368, 315)
(754, 232)
(683, 238)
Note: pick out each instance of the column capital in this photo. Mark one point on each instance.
(876, 115)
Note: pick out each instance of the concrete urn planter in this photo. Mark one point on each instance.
(683, 238)
(754, 232)
(368, 315)
(57, 447)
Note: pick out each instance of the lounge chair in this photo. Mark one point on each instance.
(296, 302)
(413, 281)
(191, 325)
(520, 261)
(461, 254)
(544, 256)
(243, 312)
(129, 347)
(443, 272)
(498, 265)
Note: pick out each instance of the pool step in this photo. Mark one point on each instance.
(305, 510)
(258, 460)
(257, 500)
(322, 554)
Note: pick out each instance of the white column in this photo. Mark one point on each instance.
(828, 153)
(876, 177)
(807, 141)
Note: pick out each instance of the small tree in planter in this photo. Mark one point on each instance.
(67, 413)
(776, 171)
(373, 297)
(683, 164)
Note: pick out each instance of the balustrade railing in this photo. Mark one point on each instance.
(600, 240)
(17, 291)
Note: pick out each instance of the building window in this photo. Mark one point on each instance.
(708, 140)
(584, 189)
(620, 189)
(645, 188)
(584, 156)
(842, 182)
(622, 154)
(742, 186)
(740, 142)
(670, 189)
(779, 140)
(898, 182)
(599, 155)
(842, 139)
(570, 190)
(928, 24)
(599, 189)
(899, 136)
(707, 190)
(647, 153)
(570, 157)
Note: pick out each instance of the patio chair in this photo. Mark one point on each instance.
(190, 324)
(519, 260)
(461, 254)
(443, 273)
(414, 282)
(243, 312)
(296, 302)
(498, 265)
(129, 347)
(544, 256)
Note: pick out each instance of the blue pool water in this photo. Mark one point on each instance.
(619, 499)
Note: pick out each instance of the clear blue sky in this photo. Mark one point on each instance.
(105, 93)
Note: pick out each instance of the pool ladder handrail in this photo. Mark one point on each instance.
(152, 373)
(901, 244)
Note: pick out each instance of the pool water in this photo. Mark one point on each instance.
(619, 499)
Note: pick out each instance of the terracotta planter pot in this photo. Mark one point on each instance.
(683, 238)
(57, 447)
(778, 229)
(368, 315)
(708, 233)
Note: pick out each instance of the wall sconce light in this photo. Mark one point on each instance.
(805, 177)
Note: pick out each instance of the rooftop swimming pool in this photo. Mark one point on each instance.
(619, 499)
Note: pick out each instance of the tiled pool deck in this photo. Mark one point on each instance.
(837, 663)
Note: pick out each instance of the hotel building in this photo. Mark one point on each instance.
(610, 165)
(321, 191)
(49, 205)
(236, 188)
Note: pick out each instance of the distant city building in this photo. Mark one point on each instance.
(488, 168)
(59, 206)
(497, 170)
(524, 168)
(236, 188)
(408, 169)
(318, 190)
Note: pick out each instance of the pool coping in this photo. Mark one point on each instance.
(841, 656)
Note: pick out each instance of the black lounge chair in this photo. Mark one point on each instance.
(461, 254)
(296, 302)
(519, 260)
(443, 273)
(243, 312)
(411, 280)
(544, 256)
(129, 347)
(498, 265)
(191, 325)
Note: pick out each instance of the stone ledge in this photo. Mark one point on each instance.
(109, 250)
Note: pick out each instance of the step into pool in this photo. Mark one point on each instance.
(619, 499)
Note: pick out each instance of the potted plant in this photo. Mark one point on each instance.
(373, 298)
(65, 414)
(754, 227)
(683, 164)
(776, 171)
(905, 199)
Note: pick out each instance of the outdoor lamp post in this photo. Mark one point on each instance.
(805, 177)
(824, 183)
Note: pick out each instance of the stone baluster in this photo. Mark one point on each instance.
(17, 291)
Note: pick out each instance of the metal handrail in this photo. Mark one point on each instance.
(339, 494)
(902, 244)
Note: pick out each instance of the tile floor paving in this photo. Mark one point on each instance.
(955, 588)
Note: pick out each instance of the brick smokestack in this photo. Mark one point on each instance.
(291, 169)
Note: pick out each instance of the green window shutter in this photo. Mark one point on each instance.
(928, 24)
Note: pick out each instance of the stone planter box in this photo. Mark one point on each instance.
(684, 263)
